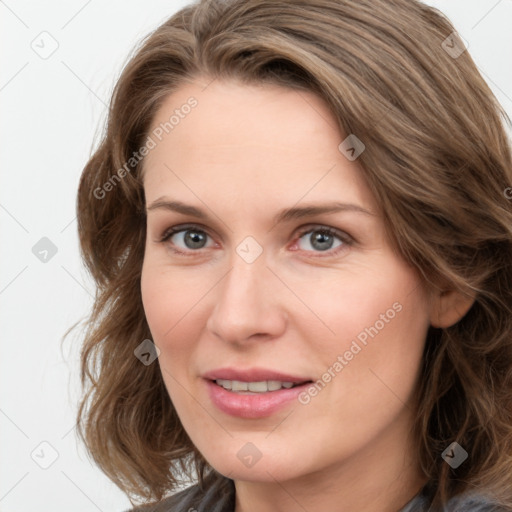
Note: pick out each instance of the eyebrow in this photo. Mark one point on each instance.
(285, 215)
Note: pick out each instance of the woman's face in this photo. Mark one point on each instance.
(252, 289)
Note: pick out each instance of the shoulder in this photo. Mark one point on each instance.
(474, 503)
(217, 495)
(465, 502)
(460, 503)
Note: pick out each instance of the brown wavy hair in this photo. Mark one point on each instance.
(437, 159)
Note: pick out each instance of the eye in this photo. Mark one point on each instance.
(321, 239)
(191, 236)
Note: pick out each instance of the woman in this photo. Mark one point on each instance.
(299, 226)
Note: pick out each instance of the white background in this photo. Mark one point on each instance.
(52, 115)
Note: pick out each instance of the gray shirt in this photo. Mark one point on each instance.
(219, 496)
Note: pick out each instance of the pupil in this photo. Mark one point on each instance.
(321, 238)
(195, 239)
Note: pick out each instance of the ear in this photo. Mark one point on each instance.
(448, 307)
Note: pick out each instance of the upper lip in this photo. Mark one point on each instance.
(252, 375)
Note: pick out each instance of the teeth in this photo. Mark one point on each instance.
(255, 387)
(273, 385)
(238, 385)
(226, 384)
(258, 387)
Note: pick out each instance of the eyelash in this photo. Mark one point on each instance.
(344, 237)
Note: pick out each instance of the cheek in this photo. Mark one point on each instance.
(156, 299)
(371, 303)
(165, 303)
(167, 295)
(164, 307)
(377, 313)
(173, 305)
(381, 325)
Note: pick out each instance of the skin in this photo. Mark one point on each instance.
(243, 154)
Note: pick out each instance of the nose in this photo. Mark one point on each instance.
(248, 306)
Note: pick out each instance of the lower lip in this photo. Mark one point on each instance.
(252, 406)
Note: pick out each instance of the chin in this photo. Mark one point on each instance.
(260, 472)
(246, 463)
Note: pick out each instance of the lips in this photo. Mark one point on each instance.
(249, 405)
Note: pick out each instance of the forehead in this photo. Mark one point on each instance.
(228, 116)
(251, 138)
